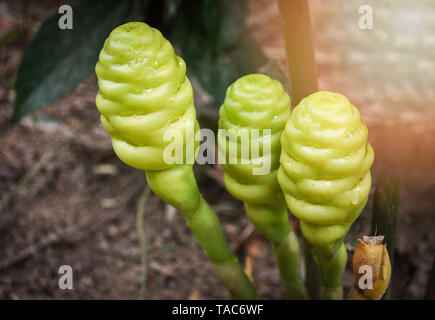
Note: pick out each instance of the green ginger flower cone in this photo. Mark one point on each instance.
(257, 102)
(325, 177)
(145, 98)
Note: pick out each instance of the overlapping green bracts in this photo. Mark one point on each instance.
(254, 102)
(257, 102)
(144, 91)
(325, 176)
(325, 166)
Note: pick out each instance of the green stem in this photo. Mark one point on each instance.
(385, 214)
(312, 275)
(177, 186)
(430, 289)
(273, 223)
(299, 48)
(331, 262)
(140, 213)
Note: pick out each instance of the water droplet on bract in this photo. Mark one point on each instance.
(307, 117)
(355, 196)
(298, 169)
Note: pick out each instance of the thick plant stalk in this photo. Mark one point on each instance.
(385, 214)
(370, 258)
(312, 275)
(143, 93)
(301, 62)
(299, 48)
(325, 176)
(256, 102)
(140, 228)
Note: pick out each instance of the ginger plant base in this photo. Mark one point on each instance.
(177, 186)
(273, 223)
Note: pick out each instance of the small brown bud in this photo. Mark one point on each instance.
(372, 269)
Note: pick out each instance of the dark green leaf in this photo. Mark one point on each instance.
(56, 60)
(312, 279)
(172, 7)
(212, 17)
(217, 48)
(248, 57)
(386, 211)
(232, 21)
(430, 288)
(385, 214)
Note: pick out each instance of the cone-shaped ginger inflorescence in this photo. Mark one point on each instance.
(143, 91)
(254, 114)
(254, 102)
(372, 269)
(325, 166)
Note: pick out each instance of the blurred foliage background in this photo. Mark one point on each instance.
(66, 199)
(209, 35)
